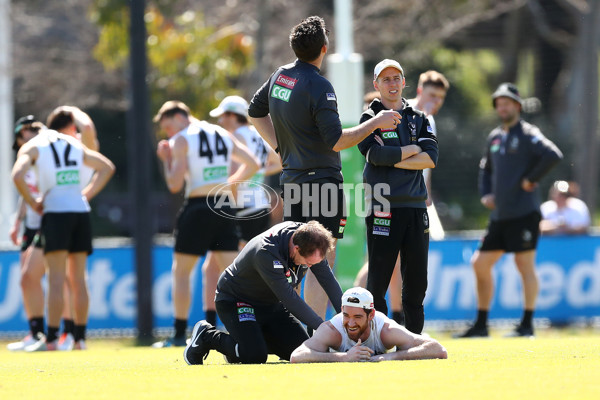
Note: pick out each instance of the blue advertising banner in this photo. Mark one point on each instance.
(568, 269)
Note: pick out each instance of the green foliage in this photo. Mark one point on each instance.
(469, 72)
(188, 59)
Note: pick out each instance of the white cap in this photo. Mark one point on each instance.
(358, 297)
(233, 104)
(385, 64)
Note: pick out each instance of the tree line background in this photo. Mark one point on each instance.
(76, 52)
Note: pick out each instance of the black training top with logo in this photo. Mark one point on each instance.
(263, 274)
(407, 187)
(303, 108)
(523, 152)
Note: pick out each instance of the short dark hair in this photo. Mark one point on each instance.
(170, 109)
(311, 237)
(239, 118)
(308, 37)
(435, 79)
(59, 119)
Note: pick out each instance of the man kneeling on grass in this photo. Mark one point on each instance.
(359, 333)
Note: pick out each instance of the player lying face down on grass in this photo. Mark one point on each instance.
(257, 298)
(359, 333)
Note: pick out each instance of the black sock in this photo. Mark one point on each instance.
(68, 326)
(180, 328)
(482, 316)
(79, 332)
(211, 317)
(52, 334)
(398, 316)
(36, 325)
(526, 322)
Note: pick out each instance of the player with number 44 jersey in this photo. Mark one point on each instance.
(198, 156)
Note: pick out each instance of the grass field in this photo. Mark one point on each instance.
(554, 365)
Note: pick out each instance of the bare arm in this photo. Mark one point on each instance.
(273, 165)
(104, 171)
(14, 230)
(25, 159)
(85, 125)
(387, 119)
(174, 162)
(316, 349)
(265, 128)
(411, 346)
(248, 163)
(416, 162)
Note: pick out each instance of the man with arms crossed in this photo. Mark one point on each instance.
(397, 157)
(198, 154)
(66, 230)
(295, 111)
(359, 333)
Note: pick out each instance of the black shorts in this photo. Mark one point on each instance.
(69, 231)
(512, 235)
(29, 238)
(321, 200)
(253, 224)
(199, 229)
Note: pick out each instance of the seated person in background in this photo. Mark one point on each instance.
(359, 333)
(564, 213)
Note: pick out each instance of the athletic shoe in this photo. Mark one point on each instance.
(197, 349)
(20, 346)
(521, 331)
(80, 345)
(42, 345)
(472, 332)
(66, 342)
(170, 342)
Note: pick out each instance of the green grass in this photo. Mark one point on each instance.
(555, 365)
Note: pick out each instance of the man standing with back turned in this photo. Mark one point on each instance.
(517, 156)
(295, 111)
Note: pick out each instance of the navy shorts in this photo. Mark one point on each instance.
(512, 235)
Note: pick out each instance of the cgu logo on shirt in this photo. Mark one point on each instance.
(389, 135)
(282, 89)
(70, 177)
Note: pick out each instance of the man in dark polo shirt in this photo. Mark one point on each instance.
(295, 111)
(256, 296)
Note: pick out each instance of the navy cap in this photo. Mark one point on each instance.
(21, 122)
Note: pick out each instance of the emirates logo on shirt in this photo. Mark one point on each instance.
(286, 81)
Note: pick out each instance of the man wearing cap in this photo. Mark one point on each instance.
(198, 156)
(517, 156)
(257, 299)
(359, 333)
(399, 225)
(255, 207)
(295, 111)
(31, 257)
